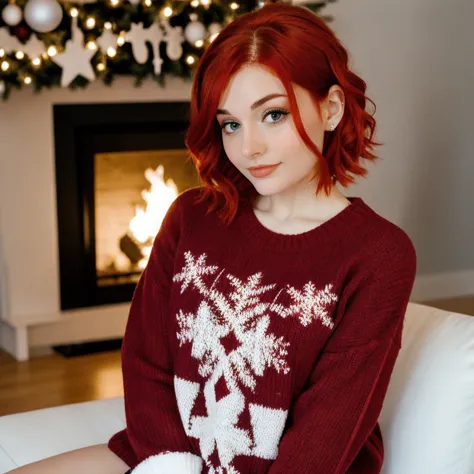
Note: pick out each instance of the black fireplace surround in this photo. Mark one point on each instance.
(81, 131)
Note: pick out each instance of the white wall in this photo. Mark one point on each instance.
(416, 57)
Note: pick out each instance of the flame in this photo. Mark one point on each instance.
(147, 221)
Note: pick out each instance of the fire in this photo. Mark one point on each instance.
(147, 221)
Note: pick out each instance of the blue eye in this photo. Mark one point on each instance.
(279, 113)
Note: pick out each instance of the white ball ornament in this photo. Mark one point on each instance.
(43, 16)
(12, 14)
(214, 29)
(195, 30)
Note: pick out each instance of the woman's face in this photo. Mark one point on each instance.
(258, 130)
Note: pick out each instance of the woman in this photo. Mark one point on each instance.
(264, 330)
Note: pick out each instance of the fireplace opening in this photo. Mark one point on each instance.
(118, 169)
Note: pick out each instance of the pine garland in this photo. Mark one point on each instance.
(18, 70)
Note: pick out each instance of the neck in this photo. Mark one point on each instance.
(302, 203)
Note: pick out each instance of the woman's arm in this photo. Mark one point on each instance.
(154, 440)
(341, 403)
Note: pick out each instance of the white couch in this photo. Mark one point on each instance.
(427, 419)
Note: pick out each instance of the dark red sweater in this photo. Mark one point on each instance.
(248, 351)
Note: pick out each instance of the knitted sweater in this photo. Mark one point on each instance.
(248, 351)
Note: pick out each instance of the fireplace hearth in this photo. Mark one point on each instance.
(119, 166)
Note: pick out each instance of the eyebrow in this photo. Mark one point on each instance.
(255, 105)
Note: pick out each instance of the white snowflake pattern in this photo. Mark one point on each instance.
(312, 304)
(242, 315)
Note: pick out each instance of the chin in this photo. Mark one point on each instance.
(268, 187)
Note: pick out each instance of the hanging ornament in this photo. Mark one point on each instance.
(194, 30)
(174, 38)
(138, 36)
(76, 59)
(12, 14)
(156, 37)
(8, 42)
(43, 16)
(34, 48)
(21, 31)
(107, 40)
(215, 28)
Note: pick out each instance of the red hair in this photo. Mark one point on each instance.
(297, 46)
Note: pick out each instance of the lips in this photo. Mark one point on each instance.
(262, 171)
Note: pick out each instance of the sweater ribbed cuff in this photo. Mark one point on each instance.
(170, 463)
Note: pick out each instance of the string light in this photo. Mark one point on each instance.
(167, 12)
(121, 39)
(148, 3)
(20, 55)
(74, 12)
(90, 22)
(199, 43)
(36, 61)
(2, 52)
(111, 52)
(195, 3)
(234, 6)
(52, 51)
(114, 3)
(5, 66)
(101, 67)
(27, 80)
(213, 37)
(190, 60)
(91, 46)
(206, 3)
(108, 25)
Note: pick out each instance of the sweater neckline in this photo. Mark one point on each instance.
(341, 223)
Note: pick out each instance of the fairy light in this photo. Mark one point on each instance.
(213, 37)
(74, 12)
(5, 66)
(2, 52)
(27, 80)
(91, 46)
(114, 3)
(148, 3)
(167, 12)
(36, 61)
(90, 22)
(111, 52)
(101, 67)
(195, 3)
(199, 43)
(20, 55)
(52, 51)
(206, 3)
(108, 25)
(234, 6)
(190, 60)
(121, 39)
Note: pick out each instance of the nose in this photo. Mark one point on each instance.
(253, 144)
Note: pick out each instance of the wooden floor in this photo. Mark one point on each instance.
(54, 380)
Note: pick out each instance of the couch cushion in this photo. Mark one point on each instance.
(428, 415)
(6, 462)
(31, 436)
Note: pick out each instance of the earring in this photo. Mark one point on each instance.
(333, 127)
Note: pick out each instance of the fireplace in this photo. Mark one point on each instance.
(118, 168)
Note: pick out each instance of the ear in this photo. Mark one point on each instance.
(333, 107)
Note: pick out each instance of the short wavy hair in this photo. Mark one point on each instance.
(298, 47)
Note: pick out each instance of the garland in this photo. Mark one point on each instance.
(106, 38)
